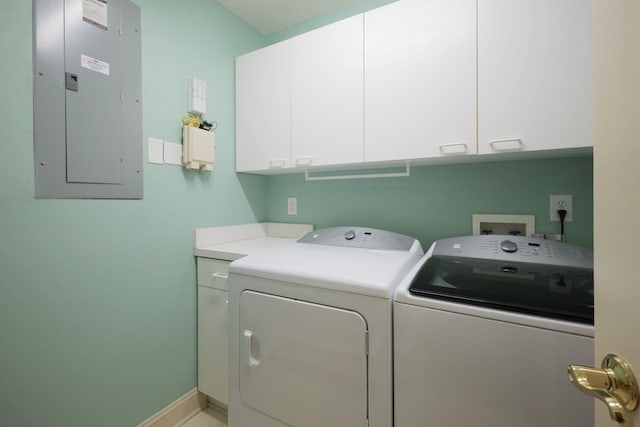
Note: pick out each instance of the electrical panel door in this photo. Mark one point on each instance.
(87, 99)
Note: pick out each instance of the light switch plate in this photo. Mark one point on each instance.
(292, 206)
(155, 151)
(172, 153)
(197, 96)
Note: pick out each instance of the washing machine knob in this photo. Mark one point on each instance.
(350, 235)
(508, 246)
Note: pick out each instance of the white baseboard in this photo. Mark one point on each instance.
(178, 412)
(219, 407)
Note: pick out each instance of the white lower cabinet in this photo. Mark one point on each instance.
(420, 80)
(213, 329)
(535, 85)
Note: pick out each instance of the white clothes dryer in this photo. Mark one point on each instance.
(311, 332)
(484, 329)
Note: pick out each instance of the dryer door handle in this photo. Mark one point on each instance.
(247, 349)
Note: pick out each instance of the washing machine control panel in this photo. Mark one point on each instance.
(515, 249)
(361, 237)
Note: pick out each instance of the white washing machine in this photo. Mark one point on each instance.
(484, 329)
(310, 330)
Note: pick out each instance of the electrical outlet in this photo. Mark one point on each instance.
(562, 201)
(292, 206)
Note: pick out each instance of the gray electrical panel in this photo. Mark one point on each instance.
(87, 99)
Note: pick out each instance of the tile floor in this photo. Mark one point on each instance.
(207, 418)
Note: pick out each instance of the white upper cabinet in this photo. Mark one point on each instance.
(420, 80)
(534, 75)
(299, 102)
(263, 109)
(327, 87)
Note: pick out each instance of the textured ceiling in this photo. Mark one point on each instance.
(271, 16)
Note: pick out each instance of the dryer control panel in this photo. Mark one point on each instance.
(362, 237)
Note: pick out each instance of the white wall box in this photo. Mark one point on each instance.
(198, 148)
(87, 99)
(534, 75)
(420, 80)
(503, 224)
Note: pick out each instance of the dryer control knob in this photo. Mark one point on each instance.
(350, 235)
(508, 246)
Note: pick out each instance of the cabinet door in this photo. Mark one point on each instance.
(534, 75)
(213, 336)
(420, 79)
(263, 109)
(327, 93)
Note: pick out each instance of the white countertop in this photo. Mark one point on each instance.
(233, 242)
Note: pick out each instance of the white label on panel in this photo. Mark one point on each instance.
(95, 12)
(94, 64)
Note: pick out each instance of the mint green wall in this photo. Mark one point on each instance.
(437, 201)
(98, 297)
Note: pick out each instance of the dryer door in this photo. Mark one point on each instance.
(303, 364)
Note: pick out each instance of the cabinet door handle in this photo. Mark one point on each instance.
(454, 148)
(304, 161)
(507, 144)
(277, 163)
(220, 276)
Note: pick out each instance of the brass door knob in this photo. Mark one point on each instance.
(615, 384)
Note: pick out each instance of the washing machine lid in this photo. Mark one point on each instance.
(513, 274)
(362, 265)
